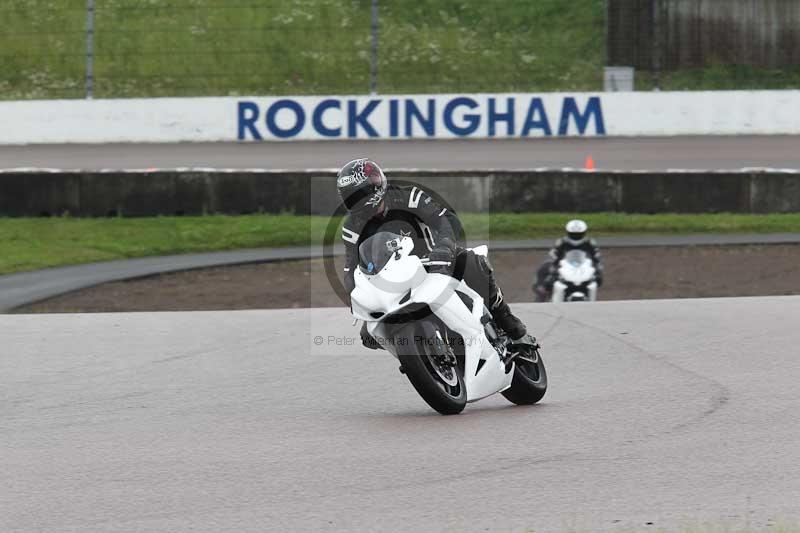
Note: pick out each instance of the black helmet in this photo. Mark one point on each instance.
(361, 185)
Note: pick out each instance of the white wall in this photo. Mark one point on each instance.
(400, 117)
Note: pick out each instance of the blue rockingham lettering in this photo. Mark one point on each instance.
(419, 117)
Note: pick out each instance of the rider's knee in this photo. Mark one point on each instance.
(485, 265)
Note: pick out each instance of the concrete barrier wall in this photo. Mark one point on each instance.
(397, 117)
(95, 194)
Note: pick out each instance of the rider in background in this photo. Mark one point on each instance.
(373, 205)
(575, 239)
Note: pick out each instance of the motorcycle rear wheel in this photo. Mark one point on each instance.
(529, 384)
(442, 389)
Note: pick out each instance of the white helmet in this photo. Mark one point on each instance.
(576, 231)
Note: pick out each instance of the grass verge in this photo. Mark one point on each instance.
(34, 243)
(274, 47)
(235, 47)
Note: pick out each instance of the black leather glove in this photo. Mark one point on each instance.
(541, 293)
(368, 340)
(442, 259)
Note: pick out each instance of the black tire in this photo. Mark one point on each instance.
(413, 350)
(529, 383)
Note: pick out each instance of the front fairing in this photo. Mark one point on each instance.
(576, 274)
(403, 283)
(376, 295)
(484, 371)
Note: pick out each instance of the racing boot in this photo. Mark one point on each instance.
(507, 321)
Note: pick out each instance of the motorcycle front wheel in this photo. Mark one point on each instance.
(431, 367)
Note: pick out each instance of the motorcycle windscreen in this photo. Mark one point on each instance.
(576, 257)
(376, 251)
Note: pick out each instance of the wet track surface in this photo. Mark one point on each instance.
(675, 413)
(658, 153)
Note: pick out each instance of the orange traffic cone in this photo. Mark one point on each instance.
(589, 163)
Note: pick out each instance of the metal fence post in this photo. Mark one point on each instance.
(373, 71)
(655, 8)
(89, 49)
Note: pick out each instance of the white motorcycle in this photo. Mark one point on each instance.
(440, 330)
(576, 278)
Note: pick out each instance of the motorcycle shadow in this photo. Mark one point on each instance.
(473, 412)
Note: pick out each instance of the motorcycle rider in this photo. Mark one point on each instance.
(373, 205)
(575, 239)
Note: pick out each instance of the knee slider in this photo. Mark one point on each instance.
(486, 266)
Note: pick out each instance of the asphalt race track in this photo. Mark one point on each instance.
(657, 153)
(678, 414)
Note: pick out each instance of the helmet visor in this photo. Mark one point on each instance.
(357, 200)
(364, 199)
